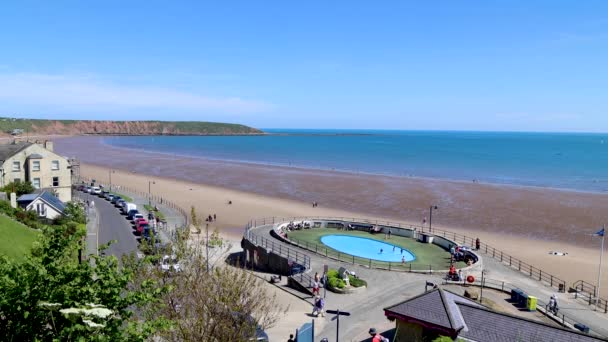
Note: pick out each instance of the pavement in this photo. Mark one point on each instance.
(386, 288)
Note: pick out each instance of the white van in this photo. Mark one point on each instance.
(128, 206)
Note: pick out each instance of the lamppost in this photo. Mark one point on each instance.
(207, 246)
(431, 217)
(110, 172)
(150, 192)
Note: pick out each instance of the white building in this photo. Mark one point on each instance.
(44, 204)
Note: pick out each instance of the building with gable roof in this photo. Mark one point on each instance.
(44, 203)
(442, 313)
(38, 164)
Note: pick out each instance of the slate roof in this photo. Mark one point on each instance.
(437, 307)
(447, 311)
(47, 197)
(487, 325)
(8, 150)
(53, 201)
(27, 197)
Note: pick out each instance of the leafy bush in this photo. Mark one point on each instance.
(20, 188)
(331, 273)
(356, 282)
(72, 213)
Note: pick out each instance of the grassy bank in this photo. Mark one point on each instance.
(17, 239)
(150, 208)
(427, 255)
(124, 197)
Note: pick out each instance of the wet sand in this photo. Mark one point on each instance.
(524, 221)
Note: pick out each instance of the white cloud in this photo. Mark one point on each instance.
(85, 92)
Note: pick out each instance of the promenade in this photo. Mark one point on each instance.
(389, 287)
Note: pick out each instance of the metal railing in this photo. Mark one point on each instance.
(503, 286)
(588, 293)
(507, 259)
(278, 248)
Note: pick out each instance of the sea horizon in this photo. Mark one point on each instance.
(567, 161)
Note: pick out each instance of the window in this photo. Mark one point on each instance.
(17, 180)
(55, 165)
(55, 181)
(16, 166)
(36, 183)
(41, 209)
(36, 165)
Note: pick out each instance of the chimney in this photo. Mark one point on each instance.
(48, 145)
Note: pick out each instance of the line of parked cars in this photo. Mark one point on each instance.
(141, 225)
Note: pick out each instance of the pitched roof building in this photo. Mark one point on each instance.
(38, 164)
(443, 313)
(44, 203)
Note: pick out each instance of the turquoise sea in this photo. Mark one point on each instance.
(576, 161)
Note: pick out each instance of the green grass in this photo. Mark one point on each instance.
(17, 239)
(427, 255)
(124, 197)
(158, 214)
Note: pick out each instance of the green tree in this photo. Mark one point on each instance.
(72, 212)
(37, 295)
(20, 188)
(225, 304)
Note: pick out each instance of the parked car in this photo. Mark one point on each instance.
(96, 190)
(81, 187)
(104, 194)
(128, 206)
(131, 214)
(88, 189)
(110, 197)
(115, 199)
(137, 217)
(141, 225)
(119, 203)
(148, 232)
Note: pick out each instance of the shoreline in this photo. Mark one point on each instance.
(347, 172)
(532, 212)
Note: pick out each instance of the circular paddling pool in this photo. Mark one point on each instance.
(367, 248)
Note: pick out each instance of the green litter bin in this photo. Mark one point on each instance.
(531, 303)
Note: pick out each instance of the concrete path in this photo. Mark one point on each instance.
(387, 288)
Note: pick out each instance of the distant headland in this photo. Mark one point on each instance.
(21, 127)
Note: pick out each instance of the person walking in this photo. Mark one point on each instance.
(318, 307)
(477, 244)
(291, 338)
(315, 288)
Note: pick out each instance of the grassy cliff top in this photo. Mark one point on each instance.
(40, 126)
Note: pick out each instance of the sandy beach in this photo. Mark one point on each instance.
(523, 221)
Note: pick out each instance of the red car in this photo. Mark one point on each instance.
(141, 225)
(137, 220)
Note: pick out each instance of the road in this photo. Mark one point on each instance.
(113, 226)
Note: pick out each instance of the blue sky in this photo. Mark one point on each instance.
(447, 65)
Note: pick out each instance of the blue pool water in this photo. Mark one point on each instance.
(367, 248)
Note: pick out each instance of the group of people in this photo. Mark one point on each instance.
(211, 218)
(315, 204)
(553, 307)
